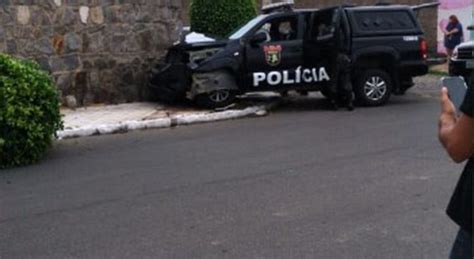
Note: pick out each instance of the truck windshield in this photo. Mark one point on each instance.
(246, 28)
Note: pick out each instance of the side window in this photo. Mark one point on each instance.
(384, 21)
(281, 29)
(323, 27)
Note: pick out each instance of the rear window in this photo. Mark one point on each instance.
(382, 21)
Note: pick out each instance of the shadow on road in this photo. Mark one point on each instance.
(315, 102)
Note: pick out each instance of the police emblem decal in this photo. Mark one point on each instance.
(273, 54)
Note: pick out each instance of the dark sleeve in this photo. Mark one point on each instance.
(468, 105)
(460, 28)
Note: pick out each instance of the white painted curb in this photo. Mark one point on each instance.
(177, 120)
(114, 128)
(218, 116)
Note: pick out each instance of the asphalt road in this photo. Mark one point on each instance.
(304, 182)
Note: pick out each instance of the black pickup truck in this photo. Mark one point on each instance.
(288, 49)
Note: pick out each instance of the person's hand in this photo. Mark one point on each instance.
(448, 111)
(455, 133)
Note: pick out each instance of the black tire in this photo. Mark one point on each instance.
(325, 93)
(373, 88)
(303, 92)
(216, 99)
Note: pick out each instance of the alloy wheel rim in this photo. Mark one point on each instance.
(375, 88)
(219, 96)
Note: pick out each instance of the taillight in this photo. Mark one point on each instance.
(424, 48)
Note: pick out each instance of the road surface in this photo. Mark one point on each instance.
(304, 182)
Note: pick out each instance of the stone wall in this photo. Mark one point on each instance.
(96, 50)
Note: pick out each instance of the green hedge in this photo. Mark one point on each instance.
(29, 112)
(221, 17)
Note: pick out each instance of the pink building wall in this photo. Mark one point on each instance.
(463, 9)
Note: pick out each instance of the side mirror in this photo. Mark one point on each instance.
(258, 38)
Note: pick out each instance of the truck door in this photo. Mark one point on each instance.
(273, 53)
(322, 42)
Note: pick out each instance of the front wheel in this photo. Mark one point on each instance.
(216, 99)
(373, 88)
(325, 92)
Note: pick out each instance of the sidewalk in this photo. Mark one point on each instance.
(110, 119)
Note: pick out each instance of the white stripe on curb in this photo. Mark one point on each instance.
(114, 128)
(177, 120)
(219, 116)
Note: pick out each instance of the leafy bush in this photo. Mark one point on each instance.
(221, 17)
(29, 112)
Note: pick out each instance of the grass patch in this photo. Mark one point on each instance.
(437, 73)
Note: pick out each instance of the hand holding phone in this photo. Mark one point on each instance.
(457, 89)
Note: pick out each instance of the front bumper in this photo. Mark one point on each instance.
(460, 68)
(169, 82)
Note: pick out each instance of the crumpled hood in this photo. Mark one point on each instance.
(198, 41)
(194, 37)
(183, 46)
(205, 45)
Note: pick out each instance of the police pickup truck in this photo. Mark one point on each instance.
(284, 49)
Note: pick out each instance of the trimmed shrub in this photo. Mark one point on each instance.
(221, 17)
(29, 112)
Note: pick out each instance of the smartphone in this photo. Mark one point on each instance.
(457, 89)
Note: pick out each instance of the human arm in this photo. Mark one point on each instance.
(456, 134)
(451, 32)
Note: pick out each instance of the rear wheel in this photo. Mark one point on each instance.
(373, 88)
(325, 93)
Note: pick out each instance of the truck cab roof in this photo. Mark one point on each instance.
(351, 8)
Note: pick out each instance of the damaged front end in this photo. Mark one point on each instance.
(173, 78)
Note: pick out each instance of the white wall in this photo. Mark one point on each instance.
(463, 9)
